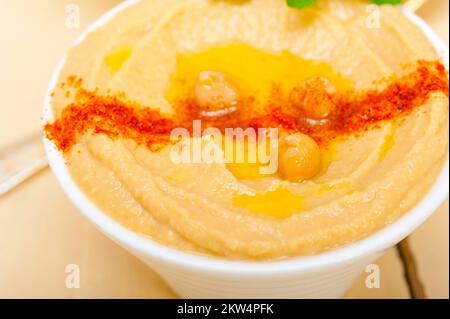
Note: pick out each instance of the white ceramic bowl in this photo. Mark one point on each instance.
(326, 275)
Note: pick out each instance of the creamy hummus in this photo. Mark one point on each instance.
(369, 180)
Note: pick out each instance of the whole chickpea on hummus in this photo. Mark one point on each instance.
(361, 114)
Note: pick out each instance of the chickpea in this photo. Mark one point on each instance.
(299, 157)
(213, 92)
(313, 98)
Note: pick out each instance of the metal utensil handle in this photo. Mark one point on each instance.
(20, 161)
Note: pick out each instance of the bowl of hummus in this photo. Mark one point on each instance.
(250, 149)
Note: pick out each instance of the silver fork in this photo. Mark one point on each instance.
(20, 161)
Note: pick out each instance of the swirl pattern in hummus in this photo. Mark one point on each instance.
(371, 179)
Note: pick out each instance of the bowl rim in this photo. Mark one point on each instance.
(144, 246)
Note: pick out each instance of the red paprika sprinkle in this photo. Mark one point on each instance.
(353, 112)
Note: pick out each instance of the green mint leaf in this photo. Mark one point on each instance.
(387, 1)
(300, 4)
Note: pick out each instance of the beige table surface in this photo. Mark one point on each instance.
(41, 231)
